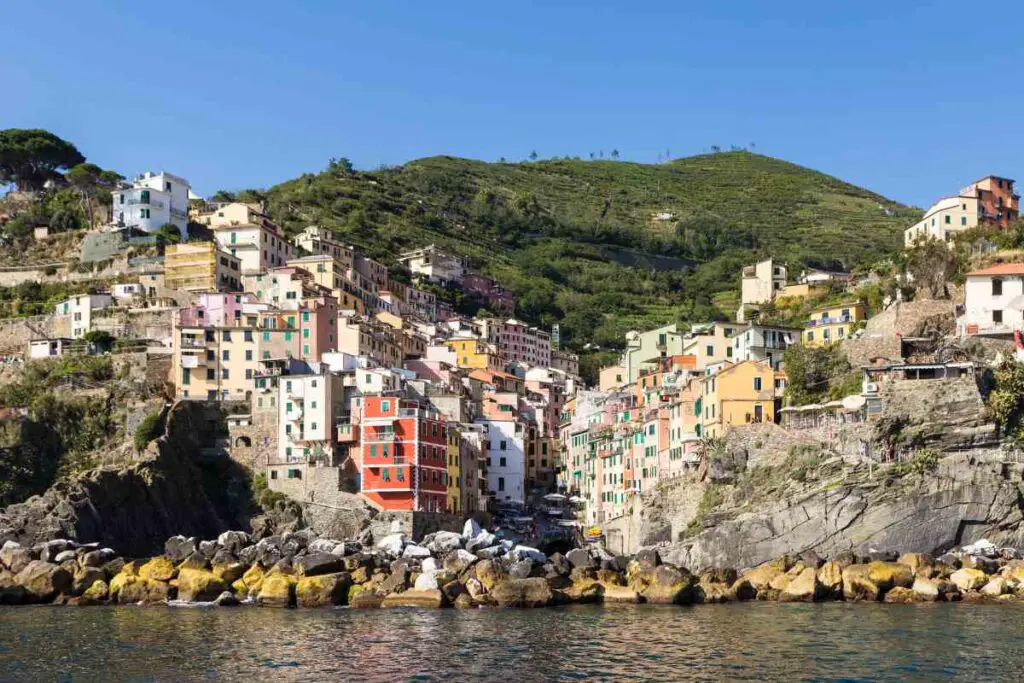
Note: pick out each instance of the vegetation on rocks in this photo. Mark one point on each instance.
(818, 374)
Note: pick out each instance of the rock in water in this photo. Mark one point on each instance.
(968, 579)
(804, 588)
(276, 590)
(158, 569)
(323, 590)
(226, 599)
(96, 594)
(135, 590)
(669, 585)
(43, 581)
(199, 585)
(427, 599)
(522, 593)
(14, 556)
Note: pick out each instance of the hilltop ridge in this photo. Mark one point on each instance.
(585, 243)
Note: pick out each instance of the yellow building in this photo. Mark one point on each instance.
(710, 344)
(831, 324)
(454, 478)
(739, 394)
(331, 273)
(474, 354)
(201, 267)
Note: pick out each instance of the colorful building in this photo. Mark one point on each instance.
(831, 324)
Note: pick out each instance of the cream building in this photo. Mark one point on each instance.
(78, 310)
(249, 235)
(201, 267)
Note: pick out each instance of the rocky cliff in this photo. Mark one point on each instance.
(175, 487)
(936, 478)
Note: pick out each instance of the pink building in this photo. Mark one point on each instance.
(219, 309)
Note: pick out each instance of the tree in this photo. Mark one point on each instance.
(168, 233)
(223, 196)
(533, 155)
(812, 371)
(149, 429)
(342, 165)
(615, 154)
(30, 157)
(931, 263)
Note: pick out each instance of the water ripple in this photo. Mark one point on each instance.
(754, 641)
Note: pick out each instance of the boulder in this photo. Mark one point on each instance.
(490, 573)
(580, 557)
(485, 539)
(14, 556)
(233, 541)
(85, 577)
(426, 581)
(66, 556)
(521, 593)
(397, 581)
(392, 544)
(609, 577)
(114, 567)
(763, 574)
(137, 590)
(43, 581)
(967, 579)
(365, 599)
(711, 593)
(226, 599)
(475, 589)
(669, 585)
(887, 575)
(521, 569)
(900, 595)
(207, 548)
(323, 545)
(471, 529)
(929, 590)
(314, 564)
(857, 584)
(523, 552)
(426, 599)
(413, 551)
(322, 590)
(805, 587)
(830, 576)
(986, 564)
(96, 594)
(445, 541)
(459, 561)
(464, 601)
(252, 578)
(951, 560)
(276, 590)
(158, 569)
(619, 594)
(177, 548)
(229, 573)
(811, 559)
(194, 561)
(997, 586)
(96, 558)
(199, 585)
(248, 555)
(916, 561)
(49, 551)
(742, 590)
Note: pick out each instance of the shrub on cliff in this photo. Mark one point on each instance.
(149, 429)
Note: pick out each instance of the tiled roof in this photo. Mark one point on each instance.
(1000, 269)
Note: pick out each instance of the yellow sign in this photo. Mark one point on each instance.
(593, 531)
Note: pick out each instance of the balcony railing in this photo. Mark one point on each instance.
(144, 202)
(193, 343)
(814, 322)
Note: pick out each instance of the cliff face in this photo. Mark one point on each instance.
(962, 501)
(949, 484)
(173, 489)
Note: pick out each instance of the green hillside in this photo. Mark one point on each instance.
(604, 246)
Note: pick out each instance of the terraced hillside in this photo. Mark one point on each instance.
(585, 242)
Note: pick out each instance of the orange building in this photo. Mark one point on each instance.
(404, 450)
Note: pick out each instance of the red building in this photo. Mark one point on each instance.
(404, 455)
(997, 202)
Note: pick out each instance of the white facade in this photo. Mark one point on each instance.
(993, 301)
(944, 219)
(126, 291)
(79, 309)
(257, 247)
(506, 460)
(306, 413)
(761, 281)
(434, 264)
(763, 343)
(153, 200)
(48, 348)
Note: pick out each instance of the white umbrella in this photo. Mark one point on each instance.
(554, 497)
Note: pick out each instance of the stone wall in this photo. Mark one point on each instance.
(144, 323)
(254, 445)
(15, 334)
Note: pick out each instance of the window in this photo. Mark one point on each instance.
(501, 483)
(225, 355)
(963, 220)
(386, 474)
(502, 462)
(710, 350)
(273, 474)
(949, 219)
(757, 384)
(248, 373)
(997, 316)
(248, 354)
(400, 474)
(211, 355)
(810, 336)
(247, 335)
(504, 445)
(997, 287)
(373, 451)
(211, 373)
(385, 406)
(224, 374)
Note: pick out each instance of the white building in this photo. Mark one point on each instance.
(79, 310)
(126, 290)
(433, 264)
(766, 343)
(993, 301)
(505, 453)
(153, 200)
(258, 245)
(307, 407)
(48, 348)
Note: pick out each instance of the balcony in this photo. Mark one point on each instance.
(293, 415)
(144, 202)
(825, 320)
(190, 343)
(268, 372)
(380, 435)
(347, 433)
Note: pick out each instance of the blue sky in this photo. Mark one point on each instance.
(910, 99)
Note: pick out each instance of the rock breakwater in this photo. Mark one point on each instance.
(474, 568)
